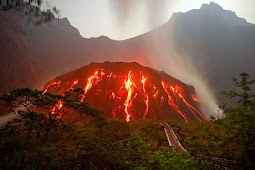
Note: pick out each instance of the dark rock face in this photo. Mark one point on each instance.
(17, 66)
(130, 91)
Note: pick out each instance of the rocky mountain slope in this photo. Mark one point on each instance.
(130, 91)
(214, 42)
(17, 66)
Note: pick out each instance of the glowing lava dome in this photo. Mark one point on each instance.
(130, 91)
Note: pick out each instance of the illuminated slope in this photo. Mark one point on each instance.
(130, 91)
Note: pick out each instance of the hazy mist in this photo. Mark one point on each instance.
(165, 58)
(125, 11)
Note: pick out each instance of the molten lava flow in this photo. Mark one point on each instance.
(129, 92)
(57, 109)
(155, 94)
(128, 102)
(59, 105)
(171, 103)
(113, 95)
(147, 96)
(72, 85)
(191, 108)
(194, 98)
(51, 84)
(92, 79)
(177, 90)
(162, 99)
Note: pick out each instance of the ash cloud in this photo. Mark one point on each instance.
(156, 9)
(179, 65)
(125, 10)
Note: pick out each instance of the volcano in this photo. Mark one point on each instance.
(129, 91)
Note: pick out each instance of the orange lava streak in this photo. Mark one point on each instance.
(191, 108)
(113, 95)
(194, 98)
(171, 103)
(89, 84)
(155, 94)
(74, 83)
(57, 108)
(128, 102)
(51, 84)
(147, 97)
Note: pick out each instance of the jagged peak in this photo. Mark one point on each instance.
(65, 21)
(212, 5)
(211, 11)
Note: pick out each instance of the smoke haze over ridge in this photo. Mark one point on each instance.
(126, 11)
(165, 58)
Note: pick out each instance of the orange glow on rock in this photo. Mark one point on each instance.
(191, 108)
(155, 94)
(146, 96)
(92, 79)
(171, 102)
(194, 98)
(130, 93)
(51, 84)
(128, 102)
(57, 108)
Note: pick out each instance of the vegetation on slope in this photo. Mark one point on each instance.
(41, 140)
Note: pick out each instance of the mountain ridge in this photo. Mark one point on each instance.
(183, 49)
(128, 90)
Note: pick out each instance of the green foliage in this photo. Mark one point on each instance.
(39, 128)
(40, 140)
(202, 137)
(240, 120)
(243, 93)
(173, 160)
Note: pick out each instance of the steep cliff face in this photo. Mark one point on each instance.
(17, 66)
(130, 91)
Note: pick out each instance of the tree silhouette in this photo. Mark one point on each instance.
(240, 120)
(30, 8)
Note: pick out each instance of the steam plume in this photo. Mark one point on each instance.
(180, 66)
(154, 11)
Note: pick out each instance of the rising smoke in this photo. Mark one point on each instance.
(180, 66)
(154, 11)
(185, 68)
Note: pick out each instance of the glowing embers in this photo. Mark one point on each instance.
(92, 80)
(171, 103)
(128, 102)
